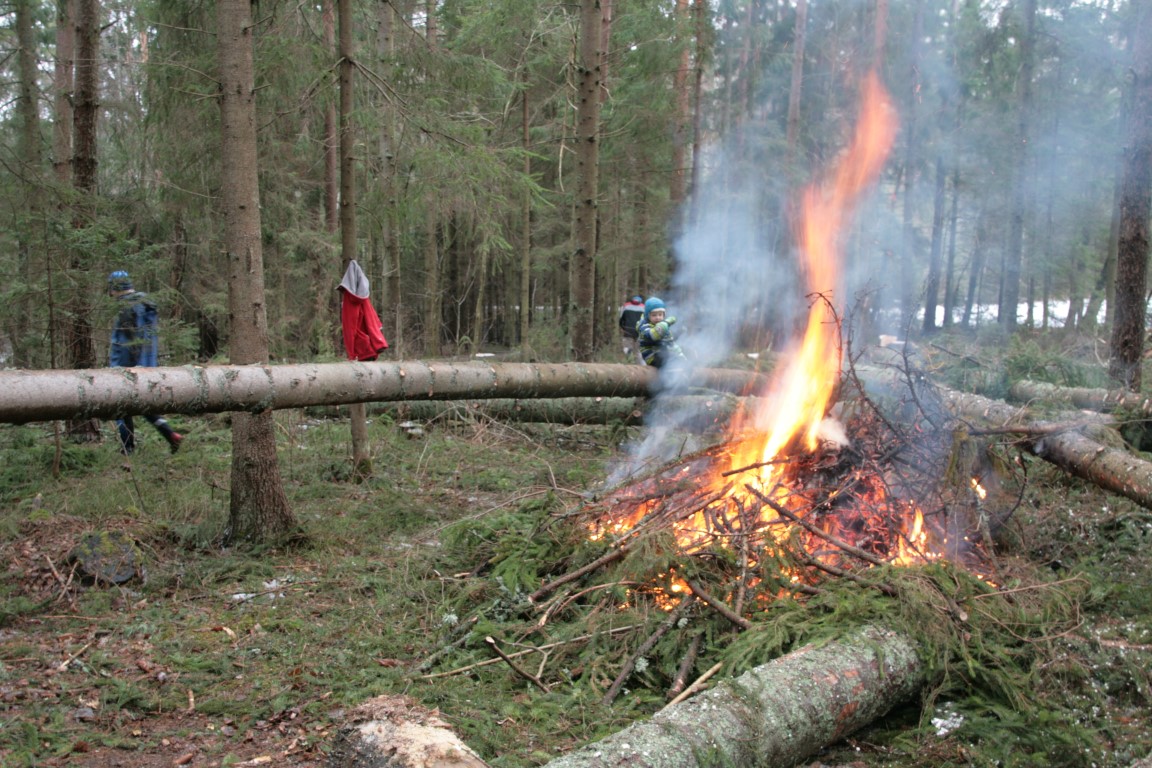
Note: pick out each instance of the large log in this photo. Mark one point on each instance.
(1113, 469)
(774, 715)
(1103, 400)
(627, 411)
(114, 392)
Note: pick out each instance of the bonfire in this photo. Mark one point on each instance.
(811, 484)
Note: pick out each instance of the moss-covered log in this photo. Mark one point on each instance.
(775, 715)
(115, 392)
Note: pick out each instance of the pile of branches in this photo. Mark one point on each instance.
(756, 550)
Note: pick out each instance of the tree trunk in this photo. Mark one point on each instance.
(115, 392)
(30, 174)
(792, 135)
(1135, 200)
(361, 457)
(1102, 400)
(583, 266)
(708, 412)
(776, 714)
(1014, 255)
(525, 293)
(678, 178)
(259, 510)
(78, 334)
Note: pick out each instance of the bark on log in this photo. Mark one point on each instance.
(627, 411)
(1103, 400)
(775, 715)
(1113, 469)
(115, 392)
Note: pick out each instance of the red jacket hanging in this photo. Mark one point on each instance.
(363, 334)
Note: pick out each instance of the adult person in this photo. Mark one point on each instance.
(136, 344)
(657, 344)
(630, 315)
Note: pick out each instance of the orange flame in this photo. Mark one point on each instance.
(797, 399)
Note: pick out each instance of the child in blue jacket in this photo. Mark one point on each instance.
(654, 334)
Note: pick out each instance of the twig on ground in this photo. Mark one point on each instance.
(538, 649)
(65, 586)
(668, 623)
(507, 660)
(696, 685)
(64, 664)
(462, 637)
(686, 665)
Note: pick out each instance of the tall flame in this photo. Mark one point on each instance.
(798, 396)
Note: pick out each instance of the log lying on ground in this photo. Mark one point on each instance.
(1113, 469)
(115, 392)
(1103, 400)
(775, 715)
(628, 411)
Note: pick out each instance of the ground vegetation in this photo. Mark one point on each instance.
(408, 581)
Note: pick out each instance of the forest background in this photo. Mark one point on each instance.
(467, 146)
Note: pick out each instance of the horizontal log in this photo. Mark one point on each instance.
(627, 411)
(774, 715)
(1103, 400)
(115, 392)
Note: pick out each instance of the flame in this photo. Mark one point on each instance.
(797, 399)
(756, 498)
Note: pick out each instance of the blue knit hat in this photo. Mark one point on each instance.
(119, 281)
(651, 304)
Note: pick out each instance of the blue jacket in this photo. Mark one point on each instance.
(135, 341)
(657, 343)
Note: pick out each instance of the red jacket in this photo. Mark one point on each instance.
(363, 334)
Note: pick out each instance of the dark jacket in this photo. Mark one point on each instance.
(135, 337)
(630, 315)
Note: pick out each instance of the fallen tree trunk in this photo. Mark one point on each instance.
(775, 715)
(1103, 400)
(116, 392)
(625, 411)
(1113, 469)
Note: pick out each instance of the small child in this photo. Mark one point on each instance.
(654, 333)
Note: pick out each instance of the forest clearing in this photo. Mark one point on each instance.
(405, 584)
(803, 499)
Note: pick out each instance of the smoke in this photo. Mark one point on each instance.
(737, 287)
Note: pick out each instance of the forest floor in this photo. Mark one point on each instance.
(212, 656)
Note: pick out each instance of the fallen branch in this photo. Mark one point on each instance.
(718, 606)
(686, 664)
(669, 622)
(530, 678)
(697, 684)
(604, 559)
(537, 649)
